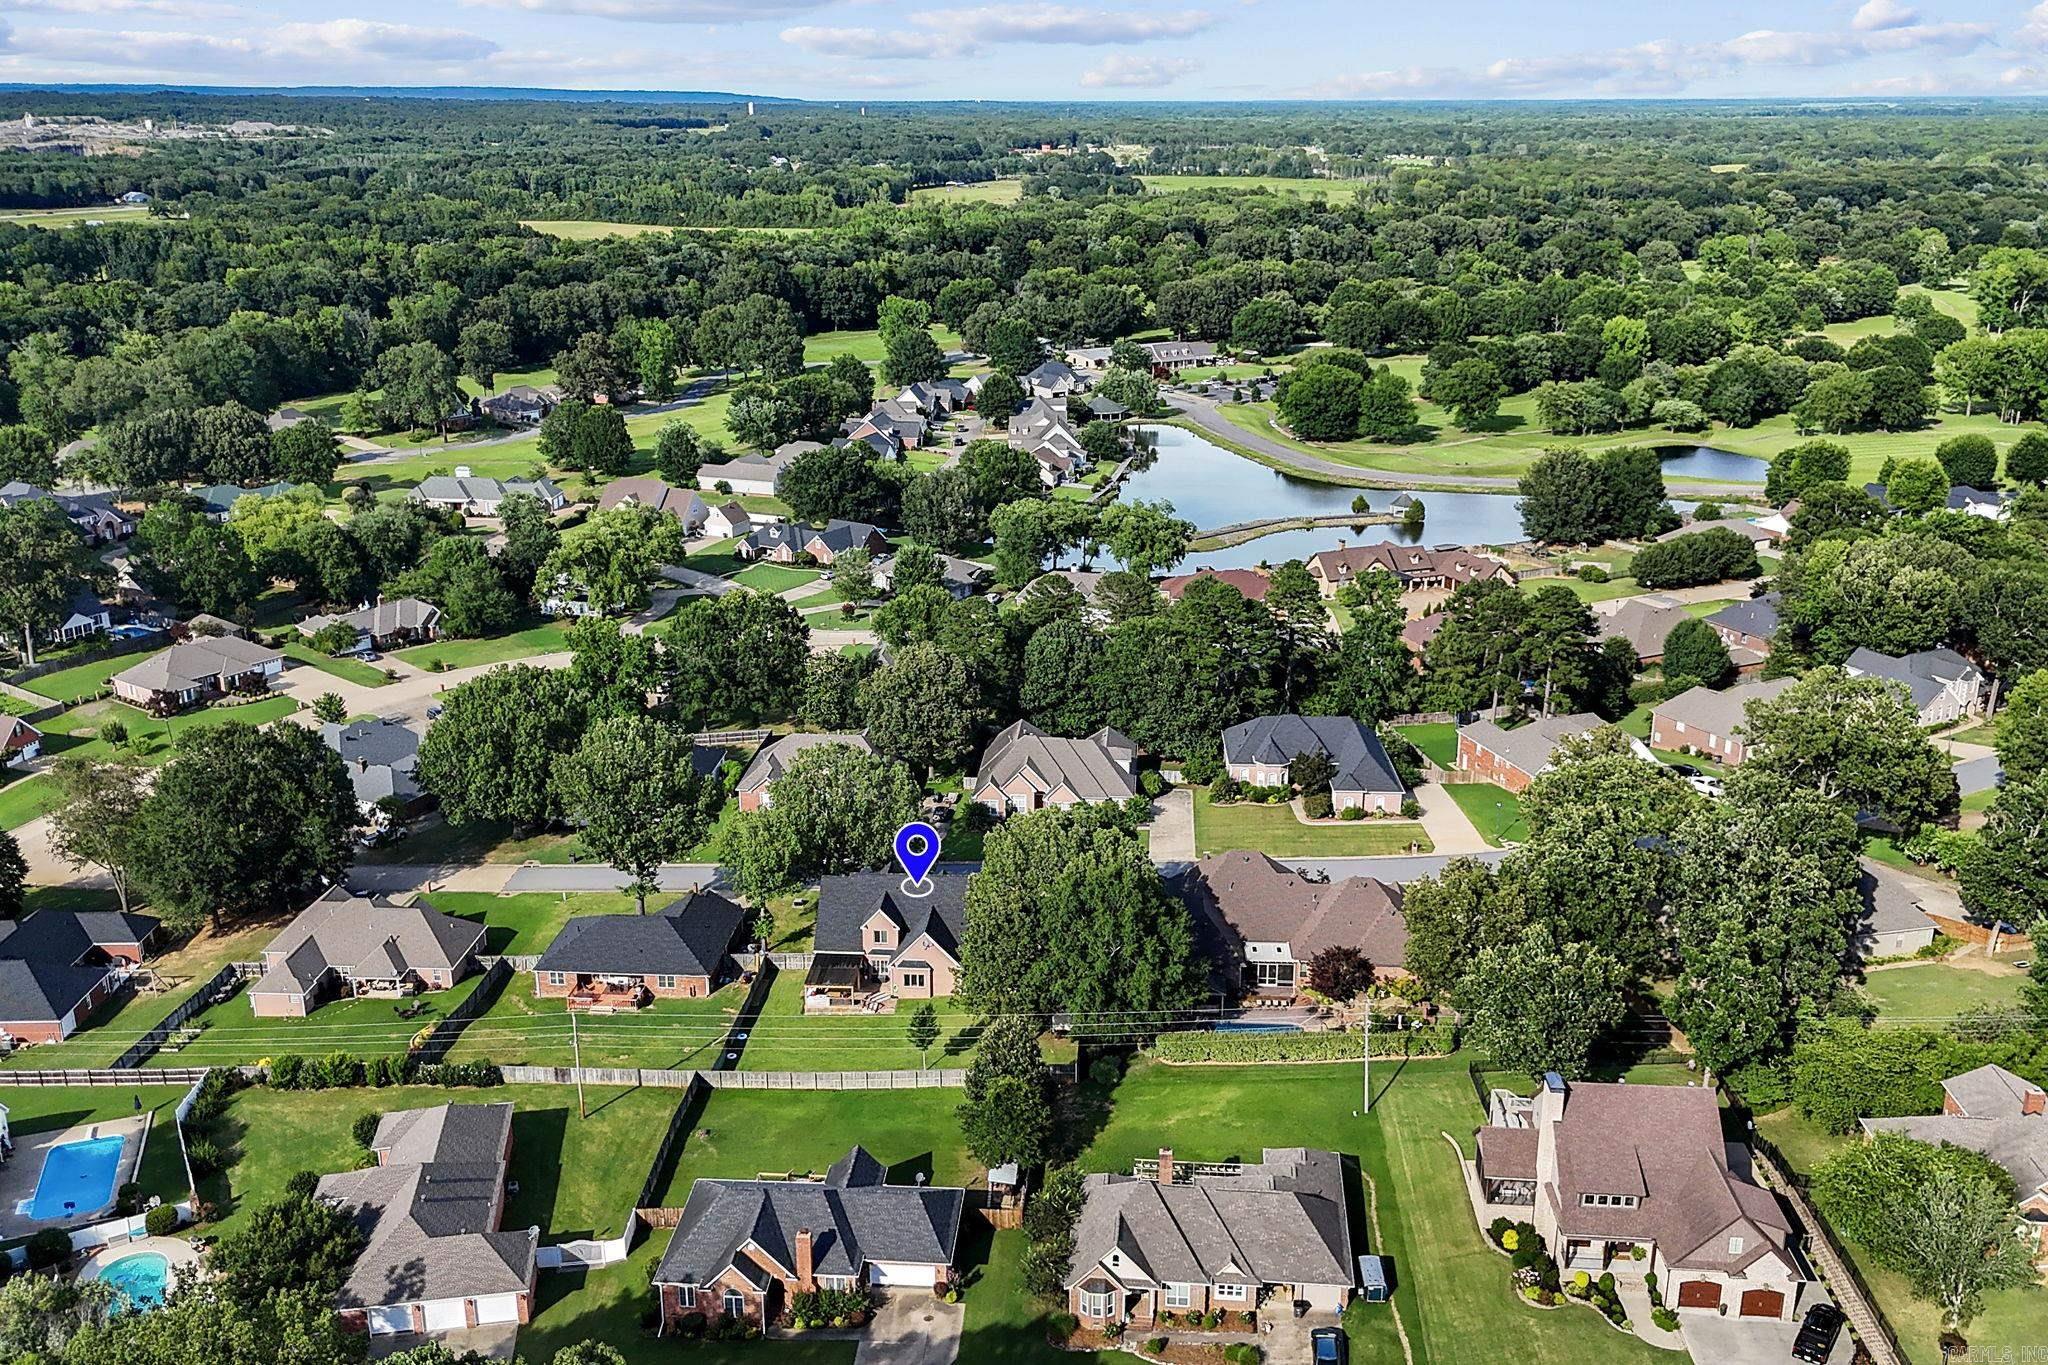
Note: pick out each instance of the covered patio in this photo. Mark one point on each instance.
(596, 994)
(840, 981)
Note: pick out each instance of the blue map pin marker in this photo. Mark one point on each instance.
(917, 848)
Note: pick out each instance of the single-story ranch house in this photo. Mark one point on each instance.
(435, 1260)
(1259, 751)
(743, 1247)
(776, 756)
(479, 497)
(2000, 1116)
(382, 756)
(57, 967)
(1604, 1169)
(1264, 923)
(604, 963)
(1708, 722)
(1181, 1237)
(196, 670)
(344, 944)
(648, 490)
(384, 624)
(872, 939)
(1419, 567)
(1515, 758)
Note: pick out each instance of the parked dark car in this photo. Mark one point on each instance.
(1328, 1346)
(1816, 1339)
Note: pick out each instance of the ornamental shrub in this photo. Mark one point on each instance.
(49, 1247)
(161, 1221)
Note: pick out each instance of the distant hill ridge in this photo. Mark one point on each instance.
(422, 92)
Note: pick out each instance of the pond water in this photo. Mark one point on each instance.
(1212, 487)
(1705, 462)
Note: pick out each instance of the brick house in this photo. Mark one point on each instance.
(384, 624)
(1262, 923)
(603, 963)
(435, 1260)
(872, 938)
(197, 670)
(348, 945)
(774, 759)
(1515, 758)
(1607, 1170)
(1748, 625)
(1709, 723)
(57, 967)
(1025, 769)
(1420, 568)
(1259, 751)
(1182, 1237)
(2000, 1116)
(744, 1248)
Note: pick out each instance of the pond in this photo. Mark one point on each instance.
(1707, 463)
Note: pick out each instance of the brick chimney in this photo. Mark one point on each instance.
(2035, 1101)
(1166, 1165)
(805, 1281)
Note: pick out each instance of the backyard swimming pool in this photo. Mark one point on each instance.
(1255, 1026)
(140, 1279)
(78, 1178)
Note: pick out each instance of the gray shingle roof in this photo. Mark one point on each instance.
(49, 961)
(1643, 622)
(649, 491)
(1248, 897)
(429, 1212)
(1719, 712)
(1362, 762)
(846, 903)
(690, 937)
(1756, 616)
(1093, 769)
(1530, 747)
(359, 937)
(384, 617)
(1925, 675)
(776, 755)
(854, 1220)
(197, 662)
(381, 757)
(1992, 1123)
(220, 498)
(1280, 1221)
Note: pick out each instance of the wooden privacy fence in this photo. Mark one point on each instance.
(782, 962)
(213, 992)
(943, 1079)
(153, 1075)
(448, 1029)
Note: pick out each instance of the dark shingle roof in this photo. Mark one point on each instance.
(42, 977)
(690, 937)
(1756, 616)
(846, 903)
(1362, 762)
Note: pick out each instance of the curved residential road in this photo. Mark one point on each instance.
(1206, 413)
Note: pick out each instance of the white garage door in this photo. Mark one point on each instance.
(498, 1308)
(921, 1275)
(385, 1321)
(446, 1315)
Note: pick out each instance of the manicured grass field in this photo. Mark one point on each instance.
(348, 670)
(1336, 190)
(232, 1034)
(1929, 991)
(2013, 1320)
(112, 1030)
(775, 578)
(44, 1109)
(548, 638)
(1274, 830)
(976, 192)
(863, 344)
(525, 924)
(520, 1029)
(61, 218)
(1438, 742)
(1494, 811)
(743, 1133)
(785, 1039)
(69, 684)
(577, 1176)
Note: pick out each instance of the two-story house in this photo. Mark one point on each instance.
(875, 943)
(1264, 923)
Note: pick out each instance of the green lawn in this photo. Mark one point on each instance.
(744, 1133)
(1493, 810)
(1274, 830)
(1937, 990)
(548, 638)
(231, 1034)
(784, 1039)
(1438, 742)
(55, 218)
(774, 578)
(114, 1028)
(1335, 190)
(348, 670)
(44, 1109)
(434, 840)
(69, 684)
(2013, 1321)
(975, 192)
(520, 1029)
(1452, 1289)
(524, 924)
(577, 1176)
(863, 344)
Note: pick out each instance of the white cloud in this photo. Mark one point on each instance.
(1067, 24)
(661, 11)
(1412, 81)
(873, 44)
(345, 39)
(1131, 72)
(183, 9)
(1879, 14)
(292, 51)
(2035, 30)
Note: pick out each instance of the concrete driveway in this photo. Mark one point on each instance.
(912, 1328)
(1713, 1340)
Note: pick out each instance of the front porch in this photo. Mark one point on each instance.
(1597, 1255)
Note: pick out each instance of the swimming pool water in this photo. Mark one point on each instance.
(80, 1175)
(139, 1279)
(1255, 1026)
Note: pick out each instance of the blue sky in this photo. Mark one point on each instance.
(1025, 49)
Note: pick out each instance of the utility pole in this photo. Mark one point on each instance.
(576, 1056)
(1368, 1057)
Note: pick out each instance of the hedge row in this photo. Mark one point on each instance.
(1207, 1046)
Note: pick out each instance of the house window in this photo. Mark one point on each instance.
(1230, 1293)
(881, 935)
(1607, 1201)
(735, 1304)
(1273, 973)
(911, 979)
(1734, 1246)
(1097, 1305)
(1679, 726)
(557, 978)
(666, 983)
(686, 1295)
(1179, 1296)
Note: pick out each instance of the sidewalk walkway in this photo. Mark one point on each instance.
(1444, 820)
